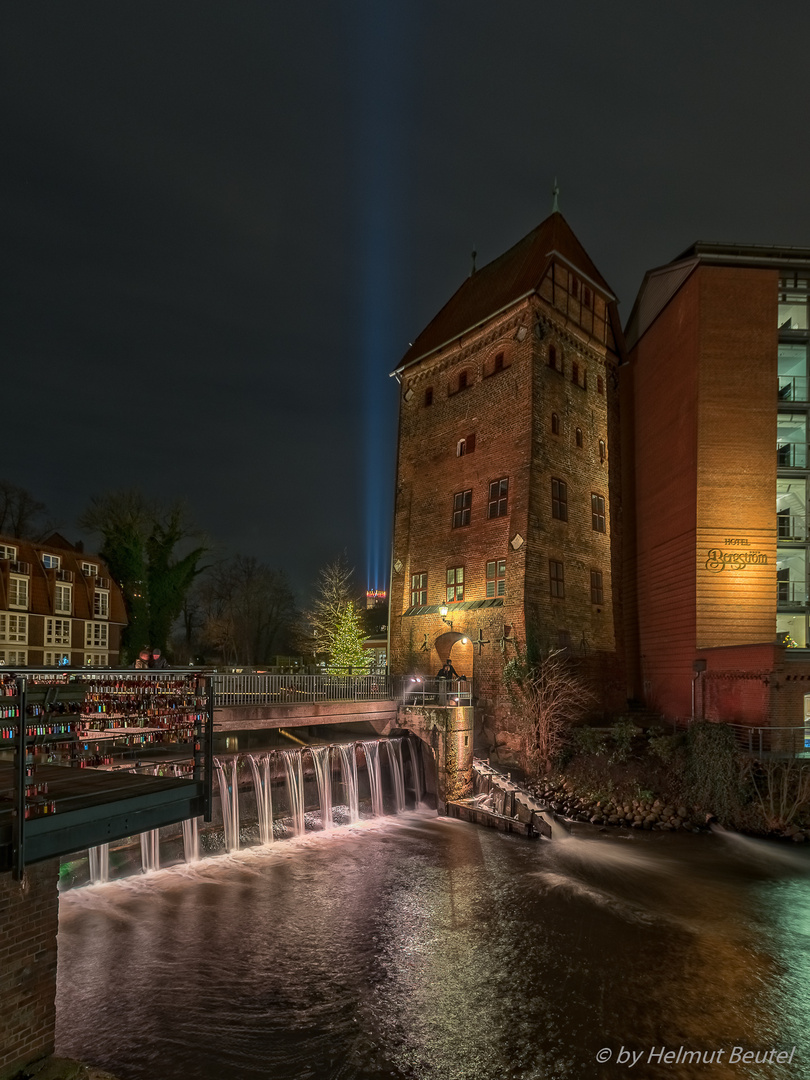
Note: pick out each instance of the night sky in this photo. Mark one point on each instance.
(225, 222)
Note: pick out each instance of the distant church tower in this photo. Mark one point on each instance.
(508, 487)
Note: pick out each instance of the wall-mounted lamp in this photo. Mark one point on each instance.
(443, 612)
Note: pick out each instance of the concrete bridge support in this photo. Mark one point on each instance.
(448, 733)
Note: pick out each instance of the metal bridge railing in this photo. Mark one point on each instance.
(453, 692)
(256, 689)
(772, 741)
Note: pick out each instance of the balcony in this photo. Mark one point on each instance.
(791, 594)
(101, 582)
(17, 567)
(793, 388)
(65, 575)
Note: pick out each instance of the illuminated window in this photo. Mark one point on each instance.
(14, 628)
(63, 599)
(96, 635)
(597, 592)
(598, 512)
(56, 659)
(18, 592)
(555, 424)
(101, 604)
(95, 660)
(57, 631)
(579, 436)
(51, 562)
(462, 501)
(8, 552)
(455, 584)
(498, 497)
(419, 589)
(496, 577)
(556, 578)
(429, 395)
(13, 658)
(559, 500)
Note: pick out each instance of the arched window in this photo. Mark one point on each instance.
(428, 395)
(555, 424)
(579, 436)
(602, 450)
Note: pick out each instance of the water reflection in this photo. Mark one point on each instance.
(426, 948)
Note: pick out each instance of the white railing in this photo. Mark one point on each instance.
(255, 689)
(453, 692)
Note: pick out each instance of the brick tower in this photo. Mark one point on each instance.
(507, 508)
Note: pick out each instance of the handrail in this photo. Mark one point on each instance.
(419, 691)
(254, 689)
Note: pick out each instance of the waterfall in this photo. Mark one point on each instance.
(150, 850)
(348, 772)
(229, 800)
(415, 775)
(99, 859)
(321, 759)
(397, 774)
(191, 840)
(295, 788)
(372, 751)
(264, 799)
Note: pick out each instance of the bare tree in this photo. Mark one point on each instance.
(21, 515)
(782, 790)
(545, 699)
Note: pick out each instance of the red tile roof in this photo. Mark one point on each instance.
(499, 284)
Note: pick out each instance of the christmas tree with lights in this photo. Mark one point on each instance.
(346, 650)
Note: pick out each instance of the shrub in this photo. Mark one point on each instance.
(623, 734)
(713, 773)
(588, 740)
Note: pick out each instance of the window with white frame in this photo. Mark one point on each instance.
(51, 562)
(7, 552)
(95, 660)
(57, 631)
(18, 592)
(56, 659)
(95, 635)
(89, 569)
(13, 627)
(101, 604)
(63, 599)
(13, 658)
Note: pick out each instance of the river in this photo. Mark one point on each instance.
(430, 949)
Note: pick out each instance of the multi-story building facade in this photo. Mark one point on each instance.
(715, 409)
(57, 606)
(507, 510)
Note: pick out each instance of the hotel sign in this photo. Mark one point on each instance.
(719, 559)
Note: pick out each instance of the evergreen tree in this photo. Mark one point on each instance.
(346, 648)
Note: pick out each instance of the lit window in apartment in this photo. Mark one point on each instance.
(598, 512)
(597, 591)
(96, 635)
(419, 589)
(556, 578)
(7, 552)
(56, 659)
(14, 628)
(95, 660)
(101, 604)
(555, 424)
(496, 577)
(51, 562)
(559, 500)
(462, 501)
(14, 657)
(579, 436)
(498, 497)
(89, 569)
(57, 631)
(18, 592)
(455, 584)
(63, 599)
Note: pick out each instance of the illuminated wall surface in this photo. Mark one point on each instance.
(735, 556)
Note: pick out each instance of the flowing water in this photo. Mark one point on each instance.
(372, 752)
(416, 777)
(295, 788)
(348, 773)
(422, 948)
(394, 748)
(260, 771)
(322, 762)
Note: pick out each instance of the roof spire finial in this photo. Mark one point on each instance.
(555, 197)
(472, 270)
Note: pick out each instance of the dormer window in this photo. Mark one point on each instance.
(7, 552)
(89, 569)
(51, 562)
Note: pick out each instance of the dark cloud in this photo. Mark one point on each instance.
(225, 222)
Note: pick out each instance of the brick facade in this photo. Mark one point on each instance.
(532, 388)
(29, 915)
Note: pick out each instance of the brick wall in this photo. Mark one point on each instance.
(28, 926)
